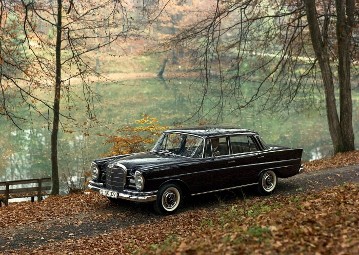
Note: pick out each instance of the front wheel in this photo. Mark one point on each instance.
(267, 182)
(169, 199)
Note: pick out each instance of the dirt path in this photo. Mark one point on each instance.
(318, 180)
(128, 214)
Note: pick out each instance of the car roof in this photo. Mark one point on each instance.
(212, 130)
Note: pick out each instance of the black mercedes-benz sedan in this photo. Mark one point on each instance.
(193, 161)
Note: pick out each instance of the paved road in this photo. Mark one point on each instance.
(318, 180)
(54, 231)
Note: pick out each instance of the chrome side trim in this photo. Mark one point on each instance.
(95, 185)
(237, 166)
(218, 190)
(130, 195)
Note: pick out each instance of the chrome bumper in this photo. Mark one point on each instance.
(130, 195)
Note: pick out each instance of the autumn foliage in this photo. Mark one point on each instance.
(338, 160)
(317, 222)
(135, 138)
(324, 222)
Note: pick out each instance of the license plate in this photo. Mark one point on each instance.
(109, 193)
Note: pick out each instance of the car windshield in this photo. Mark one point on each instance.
(180, 145)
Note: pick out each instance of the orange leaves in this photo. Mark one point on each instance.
(340, 159)
(136, 137)
(55, 206)
(325, 222)
(125, 145)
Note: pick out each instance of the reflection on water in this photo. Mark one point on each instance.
(26, 153)
(316, 153)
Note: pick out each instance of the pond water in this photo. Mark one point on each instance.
(26, 153)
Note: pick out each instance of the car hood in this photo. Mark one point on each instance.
(150, 160)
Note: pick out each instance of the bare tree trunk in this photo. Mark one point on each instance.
(341, 130)
(345, 23)
(33, 61)
(162, 70)
(56, 111)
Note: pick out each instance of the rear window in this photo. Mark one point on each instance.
(242, 143)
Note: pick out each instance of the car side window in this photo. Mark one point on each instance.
(193, 147)
(175, 142)
(242, 143)
(217, 146)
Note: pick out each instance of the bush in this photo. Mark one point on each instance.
(135, 138)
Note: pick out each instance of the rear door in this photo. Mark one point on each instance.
(212, 173)
(246, 159)
(231, 161)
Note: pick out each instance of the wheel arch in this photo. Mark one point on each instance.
(181, 184)
(274, 169)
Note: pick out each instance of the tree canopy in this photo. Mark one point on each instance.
(55, 38)
(278, 51)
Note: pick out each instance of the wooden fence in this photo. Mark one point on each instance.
(37, 188)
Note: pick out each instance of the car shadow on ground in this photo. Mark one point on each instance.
(219, 198)
(202, 201)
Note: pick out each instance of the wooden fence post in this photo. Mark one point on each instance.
(7, 194)
(32, 191)
(39, 197)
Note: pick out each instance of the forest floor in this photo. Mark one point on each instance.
(315, 212)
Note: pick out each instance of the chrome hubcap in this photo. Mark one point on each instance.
(268, 181)
(170, 199)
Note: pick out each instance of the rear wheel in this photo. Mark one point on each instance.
(267, 182)
(169, 199)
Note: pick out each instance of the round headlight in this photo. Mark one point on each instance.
(139, 181)
(95, 171)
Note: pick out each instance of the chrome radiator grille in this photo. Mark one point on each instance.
(116, 177)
